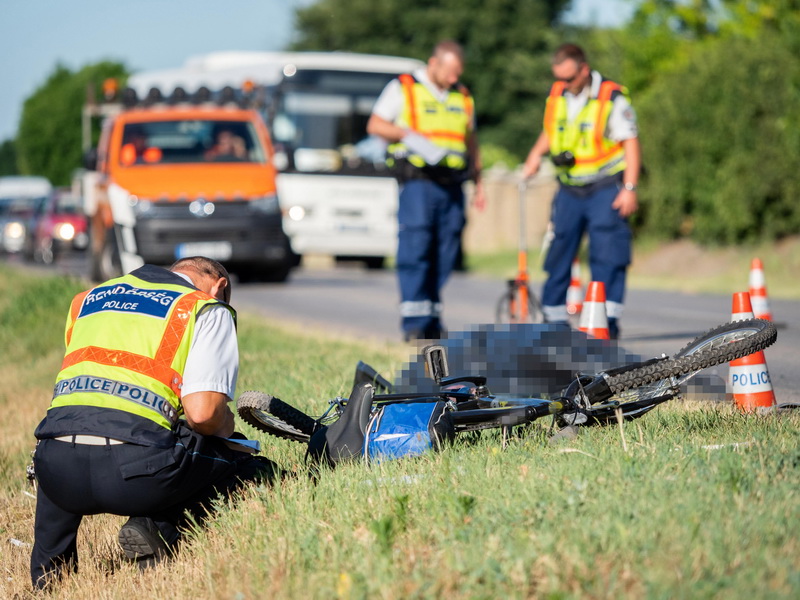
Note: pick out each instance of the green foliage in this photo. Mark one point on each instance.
(720, 141)
(492, 154)
(507, 45)
(8, 158)
(49, 137)
(34, 304)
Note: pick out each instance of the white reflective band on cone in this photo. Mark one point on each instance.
(759, 304)
(749, 379)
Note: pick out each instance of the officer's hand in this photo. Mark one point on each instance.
(626, 202)
(479, 198)
(531, 166)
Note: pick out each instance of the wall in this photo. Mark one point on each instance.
(497, 227)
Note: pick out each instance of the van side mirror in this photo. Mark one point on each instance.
(90, 159)
(436, 366)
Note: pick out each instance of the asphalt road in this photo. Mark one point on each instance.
(357, 303)
(362, 304)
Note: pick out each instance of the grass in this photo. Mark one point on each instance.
(678, 266)
(694, 500)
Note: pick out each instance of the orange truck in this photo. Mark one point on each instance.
(178, 175)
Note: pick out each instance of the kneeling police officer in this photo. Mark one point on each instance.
(139, 417)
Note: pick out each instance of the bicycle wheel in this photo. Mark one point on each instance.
(507, 310)
(718, 345)
(275, 417)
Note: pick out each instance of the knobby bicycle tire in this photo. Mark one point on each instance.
(718, 345)
(275, 417)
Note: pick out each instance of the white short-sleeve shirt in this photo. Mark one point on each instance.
(213, 361)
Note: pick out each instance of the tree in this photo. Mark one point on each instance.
(721, 137)
(8, 158)
(507, 45)
(48, 141)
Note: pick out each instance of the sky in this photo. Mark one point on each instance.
(35, 35)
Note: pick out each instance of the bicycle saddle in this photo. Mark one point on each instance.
(344, 439)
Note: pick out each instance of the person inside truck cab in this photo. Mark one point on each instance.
(228, 146)
(135, 149)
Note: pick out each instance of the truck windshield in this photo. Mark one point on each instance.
(320, 117)
(190, 141)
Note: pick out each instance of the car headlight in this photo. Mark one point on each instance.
(266, 204)
(14, 230)
(64, 231)
(297, 213)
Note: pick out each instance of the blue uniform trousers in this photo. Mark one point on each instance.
(575, 211)
(430, 220)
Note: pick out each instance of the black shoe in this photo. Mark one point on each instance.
(142, 542)
(613, 328)
(412, 336)
(431, 333)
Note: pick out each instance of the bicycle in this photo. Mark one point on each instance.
(519, 304)
(626, 392)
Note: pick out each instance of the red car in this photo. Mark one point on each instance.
(60, 227)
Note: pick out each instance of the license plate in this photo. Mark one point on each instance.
(215, 250)
(348, 228)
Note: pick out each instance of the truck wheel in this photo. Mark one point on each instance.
(275, 274)
(264, 273)
(106, 263)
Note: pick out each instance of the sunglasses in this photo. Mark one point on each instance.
(570, 79)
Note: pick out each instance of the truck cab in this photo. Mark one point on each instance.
(184, 176)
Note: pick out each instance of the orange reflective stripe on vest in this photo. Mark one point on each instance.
(74, 310)
(603, 96)
(550, 108)
(408, 87)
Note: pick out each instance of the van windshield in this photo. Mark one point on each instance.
(190, 141)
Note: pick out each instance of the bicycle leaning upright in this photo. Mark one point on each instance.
(519, 304)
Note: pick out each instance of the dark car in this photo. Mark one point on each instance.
(59, 227)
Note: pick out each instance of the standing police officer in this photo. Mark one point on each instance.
(591, 134)
(143, 350)
(427, 117)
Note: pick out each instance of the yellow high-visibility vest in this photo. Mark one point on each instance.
(446, 124)
(595, 155)
(127, 342)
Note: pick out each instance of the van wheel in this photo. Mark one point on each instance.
(374, 263)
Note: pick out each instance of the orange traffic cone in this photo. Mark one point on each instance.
(593, 316)
(748, 376)
(575, 290)
(758, 291)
